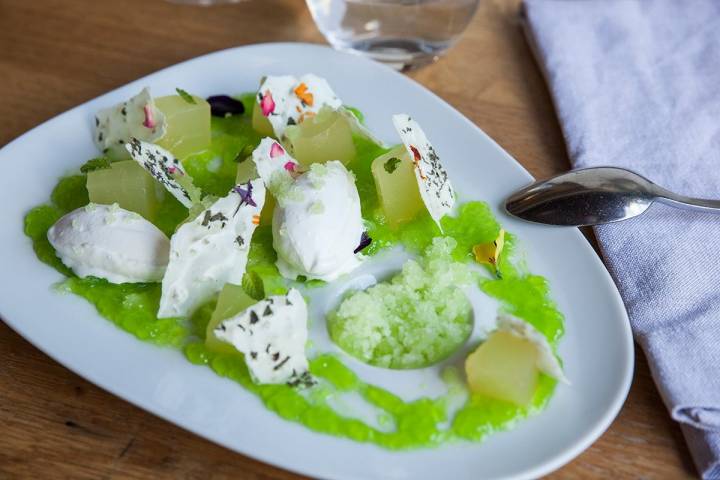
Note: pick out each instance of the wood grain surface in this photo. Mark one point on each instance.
(55, 54)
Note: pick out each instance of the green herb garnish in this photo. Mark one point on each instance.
(357, 113)
(253, 285)
(245, 153)
(186, 96)
(391, 164)
(93, 164)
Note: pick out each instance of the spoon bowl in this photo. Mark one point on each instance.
(594, 196)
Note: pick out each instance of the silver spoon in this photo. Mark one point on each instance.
(593, 196)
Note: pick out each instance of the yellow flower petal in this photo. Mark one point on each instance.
(489, 253)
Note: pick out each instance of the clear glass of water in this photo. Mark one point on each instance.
(401, 33)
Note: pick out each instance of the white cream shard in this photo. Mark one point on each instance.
(272, 335)
(106, 241)
(286, 100)
(136, 118)
(547, 362)
(275, 166)
(163, 166)
(435, 188)
(211, 250)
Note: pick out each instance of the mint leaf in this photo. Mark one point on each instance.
(93, 164)
(391, 164)
(186, 96)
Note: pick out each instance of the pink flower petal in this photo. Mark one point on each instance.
(149, 117)
(276, 150)
(290, 166)
(267, 104)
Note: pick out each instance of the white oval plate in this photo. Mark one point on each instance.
(597, 348)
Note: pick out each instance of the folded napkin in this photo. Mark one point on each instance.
(636, 84)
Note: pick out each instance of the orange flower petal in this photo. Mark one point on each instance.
(302, 93)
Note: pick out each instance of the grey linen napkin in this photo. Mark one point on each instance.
(636, 84)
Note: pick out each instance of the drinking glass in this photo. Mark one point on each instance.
(204, 3)
(401, 33)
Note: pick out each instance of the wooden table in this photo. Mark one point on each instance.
(55, 54)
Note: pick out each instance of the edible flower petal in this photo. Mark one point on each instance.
(224, 105)
(276, 150)
(267, 104)
(365, 241)
(149, 117)
(245, 194)
(416, 161)
(301, 91)
(489, 253)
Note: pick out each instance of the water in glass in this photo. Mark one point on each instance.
(401, 33)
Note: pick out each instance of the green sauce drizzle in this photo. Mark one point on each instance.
(404, 425)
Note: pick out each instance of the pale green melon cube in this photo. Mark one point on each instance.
(246, 171)
(188, 125)
(321, 138)
(260, 123)
(397, 187)
(232, 300)
(504, 367)
(127, 184)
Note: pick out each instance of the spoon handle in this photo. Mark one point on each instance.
(690, 203)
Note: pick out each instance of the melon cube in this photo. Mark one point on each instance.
(397, 187)
(188, 125)
(260, 123)
(246, 171)
(321, 138)
(504, 367)
(232, 300)
(127, 184)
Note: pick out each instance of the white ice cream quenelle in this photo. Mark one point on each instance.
(286, 100)
(547, 362)
(317, 224)
(435, 188)
(211, 250)
(108, 242)
(317, 229)
(136, 118)
(272, 334)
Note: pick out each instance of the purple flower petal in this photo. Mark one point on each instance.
(365, 241)
(245, 194)
(222, 105)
